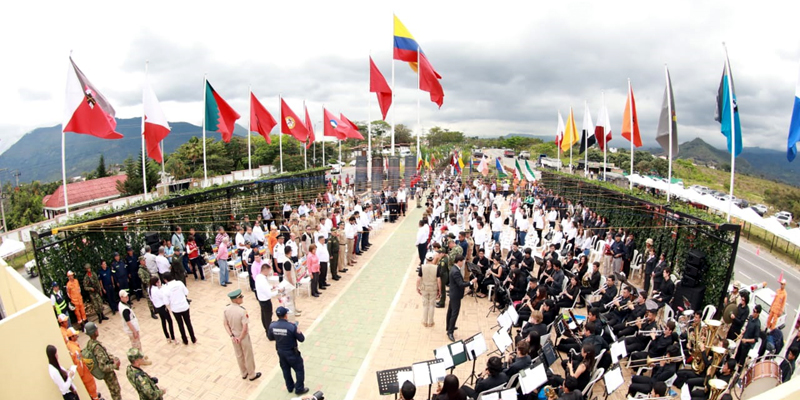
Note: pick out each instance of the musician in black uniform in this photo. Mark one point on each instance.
(527, 262)
(659, 343)
(519, 361)
(639, 310)
(549, 311)
(569, 390)
(482, 261)
(787, 365)
(594, 284)
(609, 293)
(491, 378)
(740, 316)
(725, 373)
(661, 372)
(750, 336)
(649, 267)
(666, 291)
(639, 342)
(567, 297)
(620, 308)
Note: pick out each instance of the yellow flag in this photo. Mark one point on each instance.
(570, 133)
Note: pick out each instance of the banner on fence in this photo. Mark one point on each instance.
(361, 173)
(394, 172)
(377, 173)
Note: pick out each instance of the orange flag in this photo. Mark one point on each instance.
(629, 118)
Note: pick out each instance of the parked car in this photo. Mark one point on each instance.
(509, 153)
(741, 203)
(336, 168)
(353, 163)
(477, 154)
(760, 209)
(524, 155)
(405, 152)
(699, 189)
(784, 217)
(761, 294)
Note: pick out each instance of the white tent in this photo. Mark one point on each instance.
(11, 247)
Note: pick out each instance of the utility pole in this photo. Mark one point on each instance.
(2, 203)
(16, 176)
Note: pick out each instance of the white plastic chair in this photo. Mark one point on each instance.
(596, 375)
(669, 313)
(636, 266)
(708, 312)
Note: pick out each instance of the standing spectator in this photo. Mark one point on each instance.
(312, 265)
(156, 295)
(75, 297)
(146, 386)
(222, 261)
(162, 263)
(95, 289)
(178, 272)
(264, 296)
(150, 261)
(86, 376)
(132, 265)
(175, 294)
(107, 280)
(221, 234)
(104, 362)
(179, 242)
(146, 278)
(61, 377)
(130, 324)
(58, 300)
(237, 325)
(121, 275)
(324, 259)
(193, 252)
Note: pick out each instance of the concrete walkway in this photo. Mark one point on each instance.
(339, 341)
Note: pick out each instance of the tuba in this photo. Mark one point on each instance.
(698, 363)
(550, 393)
(717, 386)
(713, 325)
(716, 362)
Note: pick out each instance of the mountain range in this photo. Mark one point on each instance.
(37, 154)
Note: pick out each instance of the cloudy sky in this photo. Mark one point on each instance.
(507, 66)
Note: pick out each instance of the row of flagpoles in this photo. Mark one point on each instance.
(88, 111)
(726, 113)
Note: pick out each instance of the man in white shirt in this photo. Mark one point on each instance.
(264, 295)
(422, 240)
(292, 243)
(401, 199)
(497, 225)
(522, 226)
(258, 235)
(302, 209)
(480, 235)
(239, 240)
(324, 260)
(150, 261)
(350, 232)
(162, 264)
(278, 254)
(175, 293)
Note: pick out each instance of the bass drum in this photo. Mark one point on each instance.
(762, 375)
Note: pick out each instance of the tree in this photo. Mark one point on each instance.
(402, 134)
(25, 203)
(438, 136)
(101, 172)
(133, 169)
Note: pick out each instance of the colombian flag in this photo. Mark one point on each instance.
(405, 46)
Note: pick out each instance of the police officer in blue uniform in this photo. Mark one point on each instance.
(286, 335)
(106, 278)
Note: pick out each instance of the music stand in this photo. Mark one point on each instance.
(428, 365)
(387, 381)
(612, 380)
(475, 346)
(498, 287)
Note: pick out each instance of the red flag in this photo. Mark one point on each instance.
(351, 130)
(261, 120)
(291, 124)
(156, 127)
(310, 128)
(331, 126)
(630, 117)
(377, 84)
(429, 80)
(220, 117)
(87, 111)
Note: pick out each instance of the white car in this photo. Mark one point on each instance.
(784, 217)
(761, 294)
(699, 189)
(353, 163)
(760, 209)
(336, 168)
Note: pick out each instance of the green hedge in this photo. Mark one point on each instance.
(72, 248)
(674, 231)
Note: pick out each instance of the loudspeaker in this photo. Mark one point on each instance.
(689, 281)
(696, 258)
(153, 240)
(691, 272)
(694, 295)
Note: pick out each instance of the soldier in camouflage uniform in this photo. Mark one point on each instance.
(144, 276)
(144, 384)
(333, 251)
(104, 361)
(92, 285)
(443, 264)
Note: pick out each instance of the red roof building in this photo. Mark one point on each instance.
(82, 194)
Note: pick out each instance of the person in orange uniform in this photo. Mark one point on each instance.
(74, 293)
(63, 325)
(75, 352)
(778, 304)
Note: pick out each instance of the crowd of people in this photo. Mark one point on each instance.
(312, 242)
(545, 256)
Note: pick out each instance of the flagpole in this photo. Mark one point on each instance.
(322, 142)
(280, 131)
(369, 124)
(393, 102)
(605, 143)
(586, 143)
(144, 156)
(630, 102)
(419, 88)
(163, 171)
(733, 127)
(249, 122)
(558, 145)
(205, 166)
(669, 112)
(305, 152)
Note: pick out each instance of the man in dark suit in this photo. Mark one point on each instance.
(658, 272)
(457, 286)
(521, 360)
(649, 267)
(629, 246)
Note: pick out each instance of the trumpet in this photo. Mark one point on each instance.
(596, 292)
(611, 303)
(632, 323)
(656, 331)
(650, 361)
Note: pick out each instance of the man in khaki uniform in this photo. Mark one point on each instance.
(236, 324)
(429, 283)
(338, 231)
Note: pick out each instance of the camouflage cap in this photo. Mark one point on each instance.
(134, 354)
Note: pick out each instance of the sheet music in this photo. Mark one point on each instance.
(491, 396)
(286, 286)
(477, 345)
(618, 351)
(456, 348)
(532, 379)
(686, 394)
(422, 374)
(438, 372)
(508, 394)
(572, 326)
(501, 340)
(613, 380)
(444, 353)
(504, 321)
(512, 313)
(404, 376)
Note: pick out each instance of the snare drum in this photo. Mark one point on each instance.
(761, 376)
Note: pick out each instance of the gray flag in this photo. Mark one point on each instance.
(668, 118)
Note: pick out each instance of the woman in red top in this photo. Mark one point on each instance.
(312, 264)
(193, 252)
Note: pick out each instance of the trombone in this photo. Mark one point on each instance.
(650, 361)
